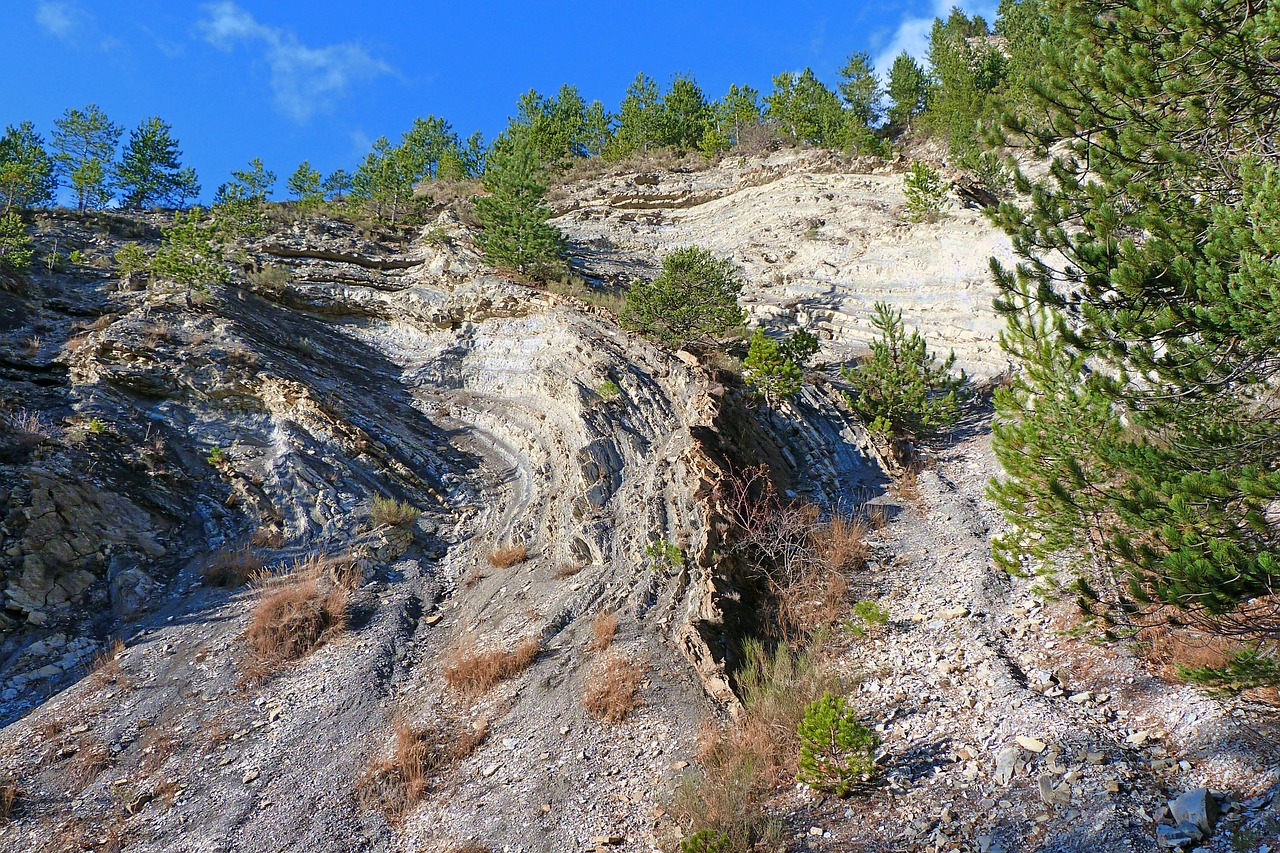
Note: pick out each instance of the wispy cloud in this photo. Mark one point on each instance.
(305, 79)
(912, 33)
(60, 20)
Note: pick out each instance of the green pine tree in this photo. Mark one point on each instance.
(27, 174)
(85, 142)
(1140, 438)
(304, 185)
(908, 89)
(860, 89)
(901, 390)
(150, 172)
(514, 216)
(693, 301)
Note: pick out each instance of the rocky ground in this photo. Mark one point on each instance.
(151, 429)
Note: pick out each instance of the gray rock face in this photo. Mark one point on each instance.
(1197, 808)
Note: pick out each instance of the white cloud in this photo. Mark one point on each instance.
(912, 34)
(61, 20)
(305, 79)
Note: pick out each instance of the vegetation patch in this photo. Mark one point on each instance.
(389, 512)
(508, 556)
(295, 614)
(603, 629)
(231, 568)
(472, 672)
(396, 783)
(611, 688)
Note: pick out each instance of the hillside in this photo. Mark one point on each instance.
(560, 469)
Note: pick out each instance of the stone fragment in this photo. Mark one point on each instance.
(1006, 764)
(1196, 807)
(1030, 744)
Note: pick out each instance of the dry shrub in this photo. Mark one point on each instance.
(90, 759)
(1171, 648)
(603, 628)
(842, 543)
(389, 512)
(568, 570)
(472, 578)
(395, 784)
(166, 793)
(296, 613)
(9, 796)
(32, 426)
(802, 560)
(106, 668)
(471, 672)
(508, 556)
(741, 767)
(268, 536)
(231, 567)
(610, 690)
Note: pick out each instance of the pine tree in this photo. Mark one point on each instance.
(639, 119)
(901, 390)
(685, 115)
(304, 185)
(861, 90)
(85, 142)
(738, 112)
(908, 89)
(337, 184)
(150, 172)
(775, 368)
(27, 175)
(693, 301)
(807, 110)
(517, 234)
(1140, 437)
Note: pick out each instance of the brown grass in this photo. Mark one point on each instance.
(472, 578)
(231, 567)
(842, 543)
(568, 570)
(610, 690)
(603, 629)
(472, 673)
(396, 783)
(508, 556)
(1169, 648)
(296, 614)
(267, 537)
(106, 668)
(90, 759)
(9, 796)
(745, 764)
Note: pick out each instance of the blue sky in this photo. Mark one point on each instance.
(291, 80)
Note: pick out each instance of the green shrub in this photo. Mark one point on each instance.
(925, 191)
(186, 256)
(837, 752)
(131, 258)
(78, 258)
(871, 614)
(389, 512)
(15, 244)
(901, 390)
(693, 300)
(216, 456)
(992, 172)
(706, 841)
(666, 555)
(608, 390)
(774, 368)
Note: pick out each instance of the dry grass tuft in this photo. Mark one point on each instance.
(9, 796)
(106, 668)
(568, 570)
(395, 784)
(389, 512)
(611, 688)
(91, 758)
(296, 613)
(231, 567)
(842, 543)
(508, 556)
(743, 766)
(471, 672)
(603, 629)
